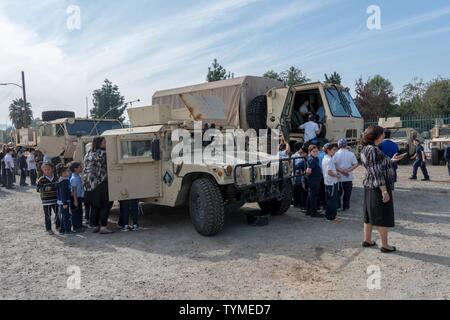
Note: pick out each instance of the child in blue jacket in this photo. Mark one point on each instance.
(64, 194)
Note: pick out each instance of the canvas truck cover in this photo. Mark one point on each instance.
(222, 102)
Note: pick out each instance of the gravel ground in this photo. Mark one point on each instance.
(294, 257)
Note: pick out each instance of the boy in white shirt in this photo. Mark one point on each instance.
(331, 178)
(9, 166)
(312, 130)
(346, 163)
(32, 169)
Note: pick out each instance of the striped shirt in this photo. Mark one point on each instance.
(47, 186)
(378, 168)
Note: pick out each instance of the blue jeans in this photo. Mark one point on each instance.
(128, 207)
(48, 216)
(423, 166)
(332, 195)
(66, 223)
(77, 215)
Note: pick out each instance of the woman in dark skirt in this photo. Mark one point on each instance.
(96, 185)
(378, 187)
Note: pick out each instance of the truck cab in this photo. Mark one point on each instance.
(333, 106)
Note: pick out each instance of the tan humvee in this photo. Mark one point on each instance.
(64, 138)
(440, 138)
(403, 137)
(141, 165)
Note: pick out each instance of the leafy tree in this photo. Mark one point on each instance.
(411, 98)
(217, 73)
(436, 99)
(334, 78)
(273, 75)
(294, 76)
(375, 98)
(108, 102)
(20, 116)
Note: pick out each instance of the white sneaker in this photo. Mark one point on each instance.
(124, 229)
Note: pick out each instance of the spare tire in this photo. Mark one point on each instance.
(55, 115)
(257, 113)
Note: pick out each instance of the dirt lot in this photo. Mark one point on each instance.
(295, 257)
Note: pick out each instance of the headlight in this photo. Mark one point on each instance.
(228, 170)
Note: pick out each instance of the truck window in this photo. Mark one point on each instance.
(136, 149)
(60, 130)
(91, 127)
(336, 107)
(351, 102)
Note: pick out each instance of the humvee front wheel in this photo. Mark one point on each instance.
(435, 159)
(278, 207)
(206, 207)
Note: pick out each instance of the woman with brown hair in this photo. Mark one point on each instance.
(378, 187)
(96, 185)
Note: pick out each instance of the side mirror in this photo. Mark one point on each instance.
(156, 150)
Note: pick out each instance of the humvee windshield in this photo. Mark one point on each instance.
(399, 134)
(91, 127)
(444, 132)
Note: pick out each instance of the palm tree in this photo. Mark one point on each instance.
(19, 117)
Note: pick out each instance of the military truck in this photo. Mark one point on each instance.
(440, 137)
(140, 158)
(63, 140)
(403, 137)
(273, 109)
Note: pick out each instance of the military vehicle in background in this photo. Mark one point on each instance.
(63, 139)
(403, 137)
(440, 138)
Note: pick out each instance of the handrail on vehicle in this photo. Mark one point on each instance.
(269, 178)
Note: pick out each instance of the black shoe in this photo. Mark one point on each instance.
(412, 178)
(426, 179)
(308, 213)
(384, 250)
(369, 245)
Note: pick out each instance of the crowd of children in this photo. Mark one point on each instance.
(324, 178)
(62, 192)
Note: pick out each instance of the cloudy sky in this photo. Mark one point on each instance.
(143, 46)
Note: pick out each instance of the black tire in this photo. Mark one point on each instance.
(435, 159)
(206, 207)
(257, 113)
(55, 115)
(278, 207)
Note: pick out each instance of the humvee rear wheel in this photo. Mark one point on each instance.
(278, 207)
(206, 207)
(435, 161)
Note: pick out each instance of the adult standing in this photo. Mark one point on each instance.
(23, 166)
(378, 186)
(420, 162)
(447, 157)
(9, 167)
(390, 148)
(96, 185)
(32, 169)
(345, 162)
(2, 165)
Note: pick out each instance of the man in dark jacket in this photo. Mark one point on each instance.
(23, 166)
(447, 157)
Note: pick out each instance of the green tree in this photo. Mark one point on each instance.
(375, 98)
(411, 99)
(273, 75)
(436, 99)
(294, 76)
(108, 102)
(334, 78)
(217, 73)
(20, 116)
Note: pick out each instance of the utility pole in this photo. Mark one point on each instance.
(87, 108)
(24, 100)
